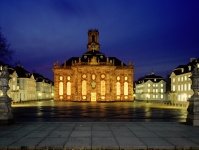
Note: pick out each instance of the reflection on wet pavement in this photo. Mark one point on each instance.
(59, 111)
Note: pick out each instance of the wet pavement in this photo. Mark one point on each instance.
(58, 111)
(99, 135)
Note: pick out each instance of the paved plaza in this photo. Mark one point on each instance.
(98, 135)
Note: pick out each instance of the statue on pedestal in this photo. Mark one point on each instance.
(5, 102)
(193, 108)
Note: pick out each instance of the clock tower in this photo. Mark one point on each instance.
(93, 40)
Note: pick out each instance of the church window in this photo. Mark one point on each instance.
(84, 76)
(93, 38)
(103, 87)
(118, 88)
(68, 77)
(84, 87)
(60, 88)
(60, 78)
(126, 88)
(93, 77)
(68, 88)
(102, 76)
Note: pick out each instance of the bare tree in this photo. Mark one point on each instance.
(5, 51)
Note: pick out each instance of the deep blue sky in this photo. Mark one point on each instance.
(157, 35)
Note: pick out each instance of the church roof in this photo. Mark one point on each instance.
(87, 56)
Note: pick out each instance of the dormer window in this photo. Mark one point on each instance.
(182, 69)
(189, 68)
(154, 79)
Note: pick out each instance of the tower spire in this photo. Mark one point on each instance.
(93, 40)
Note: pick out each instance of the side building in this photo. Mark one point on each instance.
(25, 86)
(181, 83)
(93, 76)
(151, 88)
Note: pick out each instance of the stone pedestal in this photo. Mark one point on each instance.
(193, 112)
(193, 108)
(6, 116)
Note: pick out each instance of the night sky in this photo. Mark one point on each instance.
(156, 35)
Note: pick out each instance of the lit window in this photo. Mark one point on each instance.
(182, 87)
(68, 77)
(60, 78)
(93, 77)
(126, 88)
(161, 90)
(102, 87)
(125, 78)
(185, 87)
(154, 79)
(148, 90)
(173, 79)
(181, 78)
(156, 90)
(189, 86)
(178, 78)
(68, 88)
(118, 78)
(161, 96)
(118, 88)
(60, 88)
(185, 78)
(84, 87)
(174, 87)
(178, 87)
(156, 85)
(161, 85)
(149, 85)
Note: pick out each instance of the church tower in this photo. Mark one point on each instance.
(93, 40)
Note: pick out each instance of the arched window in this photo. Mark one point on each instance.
(93, 38)
(126, 88)
(118, 88)
(102, 87)
(84, 87)
(68, 88)
(60, 88)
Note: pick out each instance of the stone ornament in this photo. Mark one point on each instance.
(6, 116)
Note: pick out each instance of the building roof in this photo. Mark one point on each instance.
(100, 57)
(22, 73)
(152, 77)
(182, 69)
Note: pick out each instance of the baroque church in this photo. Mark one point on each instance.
(93, 76)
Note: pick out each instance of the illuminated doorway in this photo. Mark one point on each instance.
(93, 96)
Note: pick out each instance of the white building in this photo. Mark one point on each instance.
(181, 83)
(150, 88)
(27, 85)
(24, 86)
(44, 87)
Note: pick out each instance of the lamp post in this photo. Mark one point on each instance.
(193, 108)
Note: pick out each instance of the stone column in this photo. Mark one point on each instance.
(6, 116)
(193, 108)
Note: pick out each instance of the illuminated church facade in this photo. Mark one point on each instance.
(93, 76)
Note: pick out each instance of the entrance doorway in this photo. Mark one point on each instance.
(93, 96)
